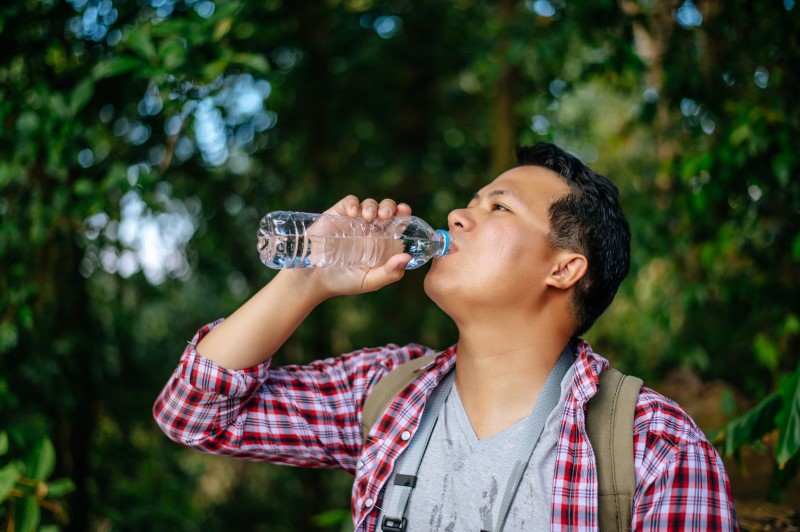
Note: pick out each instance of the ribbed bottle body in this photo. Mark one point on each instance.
(306, 240)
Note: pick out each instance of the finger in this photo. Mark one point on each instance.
(403, 209)
(392, 271)
(397, 263)
(347, 206)
(386, 209)
(369, 209)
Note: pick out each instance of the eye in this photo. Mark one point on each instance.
(500, 207)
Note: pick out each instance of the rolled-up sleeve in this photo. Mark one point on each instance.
(294, 415)
(202, 399)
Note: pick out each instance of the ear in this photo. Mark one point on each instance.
(568, 269)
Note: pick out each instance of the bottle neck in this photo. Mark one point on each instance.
(442, 240)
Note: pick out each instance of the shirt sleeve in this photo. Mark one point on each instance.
(681, 480)
(295, 415)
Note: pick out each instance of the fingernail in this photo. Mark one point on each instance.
(385, 211)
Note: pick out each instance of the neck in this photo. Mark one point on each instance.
(501, 370)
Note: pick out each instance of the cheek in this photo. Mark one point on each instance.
(517, 262)
(502, 264)
(509, 246)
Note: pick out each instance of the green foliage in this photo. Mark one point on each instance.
(140, 142)
(788, 421)
(27, 461)
(734, 215)
(776, 417)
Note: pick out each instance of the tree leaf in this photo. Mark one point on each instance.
(796, 247)
(27, 514)
(83, 187)
(767, 352)
(115, 66)
(791, 325)
(3, 443)
(81, 95)
(59, 488)
(172, 54)
(789, 420)
(749, 427)
(8, 478)
(214, 69)
(334, 516)
(222, 28)
(255, 62)
(782, 479)
(42, 461)
(140, 42)
(59, 106)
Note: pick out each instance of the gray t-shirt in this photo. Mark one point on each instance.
(462, 480)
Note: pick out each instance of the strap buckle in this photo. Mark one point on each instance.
(393, 524)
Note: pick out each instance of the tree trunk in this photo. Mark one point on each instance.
(503, 118)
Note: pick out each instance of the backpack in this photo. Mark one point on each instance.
(609, 426)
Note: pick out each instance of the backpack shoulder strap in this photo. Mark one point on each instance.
(609, 425)
(387, 388)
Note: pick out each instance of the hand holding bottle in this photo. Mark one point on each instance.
(356, 280)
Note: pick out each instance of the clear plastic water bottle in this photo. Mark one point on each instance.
(305, 240)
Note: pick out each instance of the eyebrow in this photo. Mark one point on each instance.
(497, 192)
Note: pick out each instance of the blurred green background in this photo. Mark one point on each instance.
(142, 140)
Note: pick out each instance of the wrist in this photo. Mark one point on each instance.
(303, 285)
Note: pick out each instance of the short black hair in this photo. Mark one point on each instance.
(588, 220)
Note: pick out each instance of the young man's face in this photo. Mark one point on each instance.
(502, 254)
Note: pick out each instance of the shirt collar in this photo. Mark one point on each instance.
(588, 367)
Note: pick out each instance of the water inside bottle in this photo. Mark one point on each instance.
(296, 251)
(299, 251)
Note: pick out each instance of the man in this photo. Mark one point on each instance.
(538, 255)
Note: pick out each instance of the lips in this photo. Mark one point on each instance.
(453, 246)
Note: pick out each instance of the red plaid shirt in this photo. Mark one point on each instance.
(310, 416)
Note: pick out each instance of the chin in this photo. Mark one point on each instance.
(442, 290)
(429, 284)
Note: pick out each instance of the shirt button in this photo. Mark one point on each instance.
(405, 436)
(360, 464)
(368, 503)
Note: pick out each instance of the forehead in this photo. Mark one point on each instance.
(535, 186)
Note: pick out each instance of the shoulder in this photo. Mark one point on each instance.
(668, 444)
(656, 416)
(670, 450)
(660, 417)
(674, 458)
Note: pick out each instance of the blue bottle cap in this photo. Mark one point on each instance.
(446, 237)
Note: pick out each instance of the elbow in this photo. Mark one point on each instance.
(173, 420)
(169, 425)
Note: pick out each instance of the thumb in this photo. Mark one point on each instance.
(392, 271)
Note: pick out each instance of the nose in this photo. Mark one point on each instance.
(459, 218)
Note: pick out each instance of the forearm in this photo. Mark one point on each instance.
(279, 308)
(262, 325)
